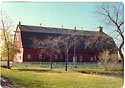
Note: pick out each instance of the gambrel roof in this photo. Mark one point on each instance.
(91, 40)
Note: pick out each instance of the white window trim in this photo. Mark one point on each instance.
(29, 56)
(95, 58)
(75, 58)
(56, 57)
(91, 58)
(61, 57)
(81, 58)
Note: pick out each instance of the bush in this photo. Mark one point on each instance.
(114, 66)
(110, 61)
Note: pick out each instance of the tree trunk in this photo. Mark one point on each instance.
(8, 64)
(66, 64)
(66, 60)
(121, 45)
(8, 61)
(120, 51)
(51, 62)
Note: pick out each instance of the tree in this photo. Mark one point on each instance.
(8, 47)
(50, 45)
(12, 50)
(113, 15)
(67, 41)
(109, 61)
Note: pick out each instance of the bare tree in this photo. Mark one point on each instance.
(113, 15)
(66, 41)
(48, 46)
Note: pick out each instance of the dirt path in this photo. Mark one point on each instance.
(5, 83)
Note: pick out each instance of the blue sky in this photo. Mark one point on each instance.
(55, 14)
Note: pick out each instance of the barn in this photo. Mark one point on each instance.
(88, 50)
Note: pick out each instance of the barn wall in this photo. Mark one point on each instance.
(34, 55)
(18, 42)
(19, 56)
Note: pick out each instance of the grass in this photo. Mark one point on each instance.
(37, 77)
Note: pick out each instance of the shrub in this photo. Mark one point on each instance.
(110, 61)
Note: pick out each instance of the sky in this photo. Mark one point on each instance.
(52, 14)
(55, 14)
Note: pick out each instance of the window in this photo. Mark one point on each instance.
(81, 58)
(74, 59)
(95, 58)
(91, 58)
(56, 57)
(40, 56)
(61, 56)
(28, 56)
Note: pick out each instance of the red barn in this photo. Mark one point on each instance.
(87, 50)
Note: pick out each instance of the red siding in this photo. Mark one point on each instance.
(87, 54)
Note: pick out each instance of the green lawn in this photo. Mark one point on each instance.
(36, 77)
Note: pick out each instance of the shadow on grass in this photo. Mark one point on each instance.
(119, 74)
(40, 70)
